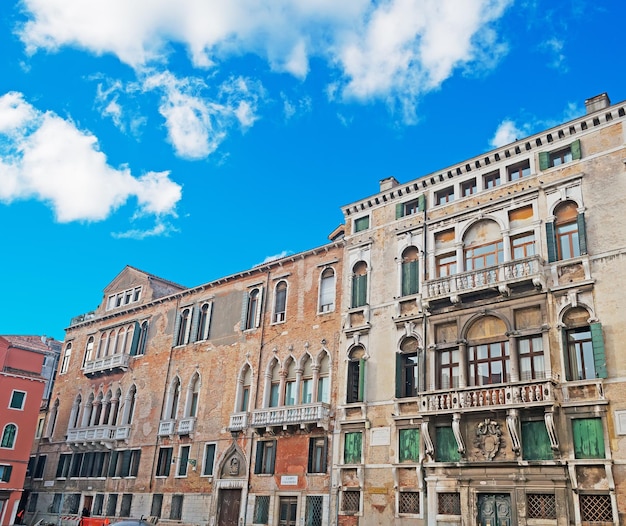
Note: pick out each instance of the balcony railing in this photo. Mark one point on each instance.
(186, 425)
(107, 363)
(238, 421)
(499, 276)
(122, 433)
(292, 415)
(106, 433)
(166, 427)
(466, 399)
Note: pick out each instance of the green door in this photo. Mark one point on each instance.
(494, 509)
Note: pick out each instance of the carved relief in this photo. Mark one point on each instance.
(488, 438)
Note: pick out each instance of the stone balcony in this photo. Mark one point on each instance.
(106, 365)
(186, 425)
(166, 427)
(316, 415)
(93, 436)
(501, 277)
(535, 393)
(238, 421)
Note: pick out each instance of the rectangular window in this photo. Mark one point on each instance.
(127, 501)
(72, 501)
(540, 506)
(535, 441)
(449, 369)
(98, 504)
(317, 455)
(491, 180)
(157, 505)
(261, 509)
(265, 457)
(409, 502)
(444, 196)
(446, 447)
(77, 461)
(32, 503)
(5, 473)
(362, 223)
(409, 447)
(209, 459)
(56, 503)
(314, 510)
(183, 459)
(580, 352)
(489, 364)
(449, 503)
(411, 207)
(30, 467)
(446, 265)
(352, 448)
(523, 246)
(111, 505)
(596, 509)
(176, 511)
(468, 188)
(519, 170)
(17, 400)
(40, 423)
(351, 501)
(588, 434)
(560, 157)
(531, 358)
(164, 462)
(406, 374)
(41, 465)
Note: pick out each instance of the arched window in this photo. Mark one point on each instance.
(327, 290)
(359, 284)
(191, 407)
(102, 345)
(410, 277)
(584, 346)
(107, 407)
(143, 338)
(488, 348)
(244, 395)
(306, 383)
(116, 406)
(75, 414)
(115, 341)
(280, 302)
(184, 326)
(203, 323)
(97, 410)
(88, 351)
(87, 411)
(253, 309)
(9, 435)
(174, 397)
(65, 362)
(52, 418)
(274, 384)
(129, 406)
(483, 246)
(290, 384)
(407, 373)
(356, 375)
(566, 229)
(323, 382)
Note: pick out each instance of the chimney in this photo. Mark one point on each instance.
(597, 103)
(388, 183)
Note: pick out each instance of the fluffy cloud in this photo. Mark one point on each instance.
(45, 157)
(507, 132)
(393, 50)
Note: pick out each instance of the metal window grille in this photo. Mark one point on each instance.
(449, 503)
(409, 502)
(176, 513)
(261, 509)
(596, 508)
(314, 510)
(351, 501)
(540, 506)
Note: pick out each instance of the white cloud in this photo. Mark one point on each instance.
(45, 157)
(275, 257)
(554, 47)
(393, 50)
(296, 108)
(506, 133)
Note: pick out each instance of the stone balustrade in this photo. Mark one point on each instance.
(318, 414)
(106, 363)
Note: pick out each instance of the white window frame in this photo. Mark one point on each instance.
(275, 314)
(65, 359)
(204, 465)
(125, 297)
(179, 461)
(331, 306)
(23, 400)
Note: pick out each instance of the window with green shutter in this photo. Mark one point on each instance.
(588, 435)
(359, 284)
(409, 445)
(362, 223)
(410, 266)
(352, 448)
(535, 441)
(446, 448)
(572, 152)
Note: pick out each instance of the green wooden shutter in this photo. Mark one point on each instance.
(566, 355)
(599, 357)
(551, 241)
(272, 459)
(409, 445)
(588, 435)
(399, 390)
(195, 317)
(535, 441)
(136, 334)
(176, 327)
(582, 233)
(352, 448)
(258, 465)
(136, 458)
(399, 210)
(544, 160)
(446, 448)
(361, 379)
(359, 290)
(410, 278)
(575, 149)
(421, 203)
(244, 310)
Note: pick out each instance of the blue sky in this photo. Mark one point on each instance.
(196, 138)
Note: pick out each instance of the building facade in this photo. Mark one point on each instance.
(451, 357)
(23, 362)
(205, 405)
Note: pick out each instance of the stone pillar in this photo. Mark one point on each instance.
(513, 358)
(463, 363)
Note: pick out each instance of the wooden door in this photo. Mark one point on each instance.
(229, 504)
(494, 509)
(288, 511)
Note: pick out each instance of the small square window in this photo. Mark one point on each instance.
(491, 180)
(17, 400)
(444, 196)
(468, 188)
(351, 501)
(519, 170)
(561, 157)
(362, 223)
(409, 502)
(449, 503)
(412, 207)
